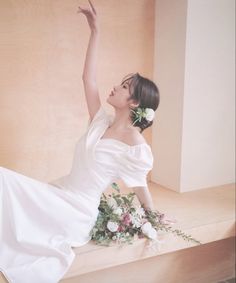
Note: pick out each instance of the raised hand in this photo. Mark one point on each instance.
(91, 15)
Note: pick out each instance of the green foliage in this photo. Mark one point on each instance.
(120, 212)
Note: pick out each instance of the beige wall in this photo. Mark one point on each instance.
(169, 62)
(43, 44)
(208, 142)
(194, 136)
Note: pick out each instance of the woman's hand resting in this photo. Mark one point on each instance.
(91, 15)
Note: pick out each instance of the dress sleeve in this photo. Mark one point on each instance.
(135, 165)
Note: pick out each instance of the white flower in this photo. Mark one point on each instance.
(112, 226)
(147, 113)
(118, 211)
(152, 233)
(136, 221)
(146, 227)
(148, 230)
(112, 203)
(140, 211)
(150, 113)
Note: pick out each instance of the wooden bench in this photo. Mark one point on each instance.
(208, 215)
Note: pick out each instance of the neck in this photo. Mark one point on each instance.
(122, 120)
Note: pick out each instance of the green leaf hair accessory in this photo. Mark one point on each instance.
(147, 113)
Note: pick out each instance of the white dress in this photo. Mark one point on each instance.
(41, 222)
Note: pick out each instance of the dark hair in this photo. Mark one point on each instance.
(146, 93)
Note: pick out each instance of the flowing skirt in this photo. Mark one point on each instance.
(39, 225)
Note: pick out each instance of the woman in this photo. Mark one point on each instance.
(41, 222)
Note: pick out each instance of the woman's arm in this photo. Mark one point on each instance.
(89, 72)
(144, 197)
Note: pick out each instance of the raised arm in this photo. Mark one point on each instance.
(89, 72)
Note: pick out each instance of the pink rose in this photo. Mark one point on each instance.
(126, 219)
(120, 229)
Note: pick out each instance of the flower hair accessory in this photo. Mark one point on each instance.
(147, 113)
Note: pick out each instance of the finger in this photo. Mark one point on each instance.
(84, 11)
(92, 7)
(80, 9)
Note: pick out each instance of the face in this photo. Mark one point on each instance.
(120, 94)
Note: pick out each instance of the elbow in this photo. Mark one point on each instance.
(84, 78)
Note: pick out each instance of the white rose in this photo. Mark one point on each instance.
(112, 203)
(152, 233)
(140, 211)
(118, 211)
(146, 227)
(112, 226)
(150, 113)
(149, 231)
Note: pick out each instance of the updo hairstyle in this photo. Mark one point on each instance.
(146, 93)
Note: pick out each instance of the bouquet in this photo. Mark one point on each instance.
(120, 222)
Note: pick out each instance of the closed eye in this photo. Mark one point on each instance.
(124, 85)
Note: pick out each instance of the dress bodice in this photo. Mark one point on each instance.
(41, 222)
(98, 162)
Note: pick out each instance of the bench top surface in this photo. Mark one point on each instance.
(190, 209)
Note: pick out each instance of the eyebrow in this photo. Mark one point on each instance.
(127, 81)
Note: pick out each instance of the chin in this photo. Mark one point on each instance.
(108, 101)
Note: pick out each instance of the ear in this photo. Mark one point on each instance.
(134, 104)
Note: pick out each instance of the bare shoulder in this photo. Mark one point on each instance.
(134, 137)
